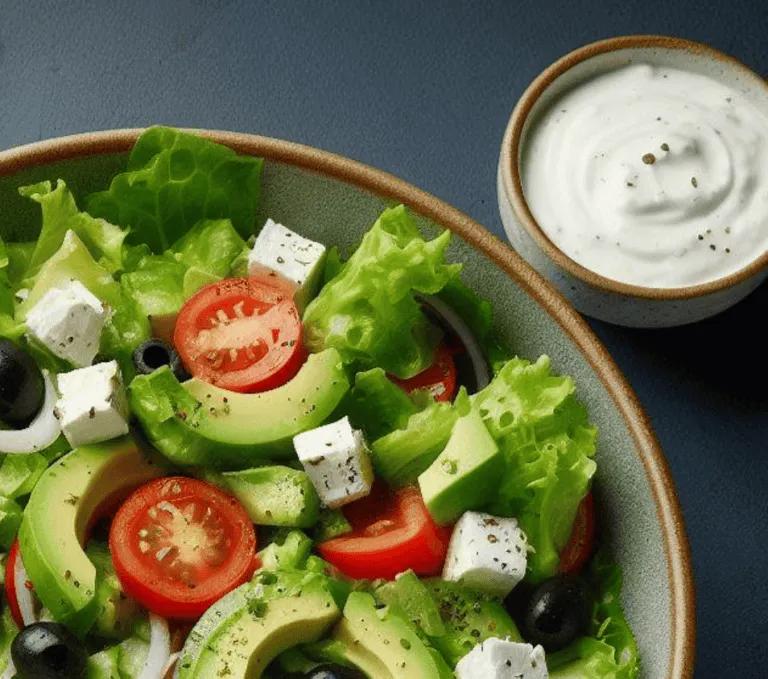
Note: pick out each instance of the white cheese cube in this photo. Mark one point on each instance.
(295, 258)
(68, 321)
(503, 659)
(487, 553)
(336, 460)
(92, 405)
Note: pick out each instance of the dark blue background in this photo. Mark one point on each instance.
(424, 91)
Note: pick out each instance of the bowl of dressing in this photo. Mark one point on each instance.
(634, 175)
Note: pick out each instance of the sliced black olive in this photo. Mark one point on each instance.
(48, 650)
(558, 612)
(22, 388)
(331, 671)
(154, 354)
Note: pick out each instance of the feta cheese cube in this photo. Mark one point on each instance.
(68, 321)
(336, 460)
(487, 553)
(92, 405)
(295, 258)
(503, 659)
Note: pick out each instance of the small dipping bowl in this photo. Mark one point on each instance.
(593, 294)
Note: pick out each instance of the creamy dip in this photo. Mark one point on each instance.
(651, 176)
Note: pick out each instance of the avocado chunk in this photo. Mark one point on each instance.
(273, 495)
(411, 595)
(244, 631)
(383, 644)
(199, 424)
(58, 515)
(469, 618)
(465, 474)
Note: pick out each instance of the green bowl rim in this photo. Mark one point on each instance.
(676, 546)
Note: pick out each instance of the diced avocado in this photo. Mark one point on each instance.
(199, 424)
(58, 515)
(331, 524)
(383, 644)
(273, 495)
(469, 618)
(244, 631)
(116, 612)
(415, 600)
(286, 551)
(465, 474)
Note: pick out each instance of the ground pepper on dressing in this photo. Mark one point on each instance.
(651, 176)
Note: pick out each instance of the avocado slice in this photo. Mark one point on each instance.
(465, 474)
(244, 631)
(383, 644)
(57, 518)
(273, 495)
(199, 424)
(468, 617)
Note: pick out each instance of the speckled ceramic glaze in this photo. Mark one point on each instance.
(595, 295)
(335, 200)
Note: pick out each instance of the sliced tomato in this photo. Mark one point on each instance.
(10, 585)
(391, 532)
(179, 545)
(578, 549)
(241, 334)
(439, 379)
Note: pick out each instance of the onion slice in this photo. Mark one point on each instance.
(24, 596)
(40, 433)
(448, 316)
(159, 652)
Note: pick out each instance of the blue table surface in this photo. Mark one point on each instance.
(424, 91)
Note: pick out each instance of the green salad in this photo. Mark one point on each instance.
(229, 450)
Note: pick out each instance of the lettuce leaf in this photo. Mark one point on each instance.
(400, 456)
(10, 520)
(159, 284)
(368, 311)
(60, 214)
(548, 446)
(173, 181)
(610, 652)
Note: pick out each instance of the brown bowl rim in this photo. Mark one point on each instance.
(513, 189)
(676, 546)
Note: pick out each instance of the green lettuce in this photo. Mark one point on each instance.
(173, 181)
(8, 632)
(610, 652)
(400, 456)
(548, 446)
(368, 311)
(10, 520)
(60, 214)
(20, 473)
(159, 284)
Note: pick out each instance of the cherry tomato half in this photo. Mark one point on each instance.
(439, 379)
(241, 334)
(10, 585)
(179, 545)
(578, 549)
(392, 532)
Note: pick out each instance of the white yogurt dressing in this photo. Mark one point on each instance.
(651, 176)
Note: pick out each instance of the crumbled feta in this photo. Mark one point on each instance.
(92, 405)
(336, 460)
(487, 553)
(503, 659)
(68, 321)
(295, 258)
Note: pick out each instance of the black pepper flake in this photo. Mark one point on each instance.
(701, 237)
(713, 247)
(665, 147)
(694, 183)
(649, 159)
(728, 250)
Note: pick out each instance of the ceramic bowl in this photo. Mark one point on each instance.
(335, 200)
(591, 293)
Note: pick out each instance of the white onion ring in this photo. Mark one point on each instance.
(40, 433)
(171, 662)
(446, 312)
(159, 648)
(24, 597)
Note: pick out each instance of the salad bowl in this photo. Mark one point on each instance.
(335, 200)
